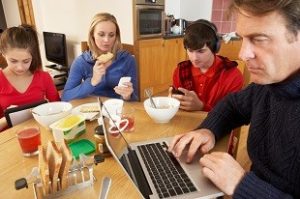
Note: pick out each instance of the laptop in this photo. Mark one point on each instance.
(156, 179)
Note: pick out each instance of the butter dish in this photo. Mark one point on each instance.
(68, 128)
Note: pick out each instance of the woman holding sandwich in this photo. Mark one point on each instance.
(99, 70)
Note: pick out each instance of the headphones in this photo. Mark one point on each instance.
(217, 45)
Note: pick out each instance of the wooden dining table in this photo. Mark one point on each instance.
(13, 165)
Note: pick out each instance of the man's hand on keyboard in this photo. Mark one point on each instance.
(201, 139)
(223, 170)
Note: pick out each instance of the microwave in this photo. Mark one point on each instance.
(150, 17)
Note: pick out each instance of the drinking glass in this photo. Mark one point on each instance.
(126, 113)
(29, 140)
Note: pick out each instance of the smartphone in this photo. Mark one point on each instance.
(176, 91)
(123, 80)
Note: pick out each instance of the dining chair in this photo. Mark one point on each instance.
(234, 138)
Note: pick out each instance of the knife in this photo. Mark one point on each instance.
(105, 185)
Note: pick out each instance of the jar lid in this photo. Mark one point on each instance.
(82, 146)
(99, 130)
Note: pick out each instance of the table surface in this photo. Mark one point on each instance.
(14, 166)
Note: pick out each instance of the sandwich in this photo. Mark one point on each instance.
(105, 57)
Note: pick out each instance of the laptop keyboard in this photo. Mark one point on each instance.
(166, 173)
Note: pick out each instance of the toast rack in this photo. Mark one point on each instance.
(80, 176)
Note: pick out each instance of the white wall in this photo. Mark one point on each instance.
(173, 7)
(10, 8)
(73, 19)
(190, 10)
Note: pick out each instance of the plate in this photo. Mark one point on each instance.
(87, 115)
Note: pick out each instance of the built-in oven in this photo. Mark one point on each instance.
(149, 16)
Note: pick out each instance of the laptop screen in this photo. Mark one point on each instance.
(117, 143)
(120, 149)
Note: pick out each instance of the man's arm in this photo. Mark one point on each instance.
(231, 112)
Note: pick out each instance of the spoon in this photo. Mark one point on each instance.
(148, 93)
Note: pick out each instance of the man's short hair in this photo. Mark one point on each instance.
(289, 9)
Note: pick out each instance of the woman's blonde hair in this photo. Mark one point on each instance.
(100, 17)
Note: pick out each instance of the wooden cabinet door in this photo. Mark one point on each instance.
(174, 53)
(231, 49)
(150, 64)
(157, 61)
(182, 56)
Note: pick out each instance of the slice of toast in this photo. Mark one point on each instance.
(65, 165)
(105, 57)
(44, 169)
(54, 158)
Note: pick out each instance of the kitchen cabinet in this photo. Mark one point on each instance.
(231, 49)
(157, 59)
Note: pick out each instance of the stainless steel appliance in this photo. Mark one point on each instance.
(169, 22)
(149, 18)
(182, 23)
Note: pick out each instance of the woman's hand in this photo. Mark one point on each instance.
(99, 70)
(3, 123)
(125, 91)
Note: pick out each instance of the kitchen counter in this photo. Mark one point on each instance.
(172, 35)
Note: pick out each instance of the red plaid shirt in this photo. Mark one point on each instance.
(222, 77)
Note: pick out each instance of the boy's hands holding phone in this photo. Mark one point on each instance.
(189, 100)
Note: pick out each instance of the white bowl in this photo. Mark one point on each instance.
(48, 113)
(166, 109)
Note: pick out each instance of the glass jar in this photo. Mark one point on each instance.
(100, 141)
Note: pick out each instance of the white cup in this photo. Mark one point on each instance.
(112, 105)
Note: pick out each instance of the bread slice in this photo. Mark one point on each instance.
(44, 169)
(54, 158)
(105, 57)
(65, 165)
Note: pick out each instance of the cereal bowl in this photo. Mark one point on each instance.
(166, 108)
(48, 113)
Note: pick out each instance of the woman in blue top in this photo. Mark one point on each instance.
(88, 76)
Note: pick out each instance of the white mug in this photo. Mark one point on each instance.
(112, 105)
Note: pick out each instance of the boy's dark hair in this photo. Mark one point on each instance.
(24, 37)
(199, 33)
